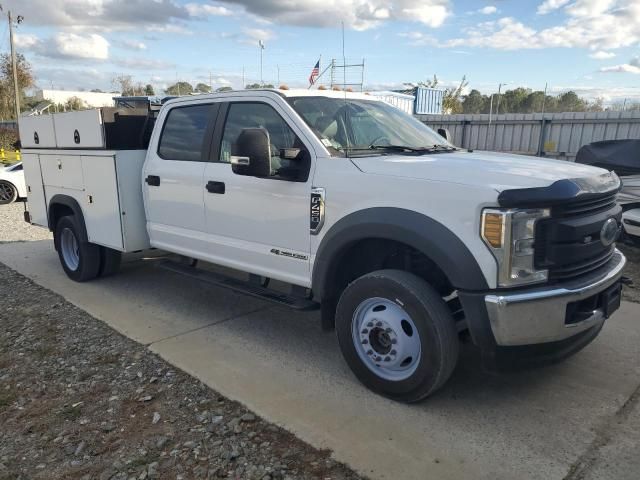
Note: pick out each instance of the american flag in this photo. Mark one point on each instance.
(314, 73)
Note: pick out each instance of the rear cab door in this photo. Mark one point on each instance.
(173, 176)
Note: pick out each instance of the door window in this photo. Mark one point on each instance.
(258, 115)
(184, 132)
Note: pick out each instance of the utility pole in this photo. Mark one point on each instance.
(261, 45)
(14, 65)
(498, 106)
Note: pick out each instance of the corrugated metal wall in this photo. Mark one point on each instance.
(562, 133)
(428, 101)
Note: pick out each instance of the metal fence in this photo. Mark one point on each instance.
(558, 135)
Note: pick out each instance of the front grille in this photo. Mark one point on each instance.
(568, 243)
(588, 206)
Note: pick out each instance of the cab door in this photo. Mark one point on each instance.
(173, 179)
(260, 225)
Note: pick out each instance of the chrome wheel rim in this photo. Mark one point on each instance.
(6, 192)
(386, 339)
(69, 248)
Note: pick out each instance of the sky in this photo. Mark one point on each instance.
(589, 46)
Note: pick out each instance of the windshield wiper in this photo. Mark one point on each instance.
(441, 147)
(400, 148)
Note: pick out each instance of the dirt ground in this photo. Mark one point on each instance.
(631, 293)
(80, 401)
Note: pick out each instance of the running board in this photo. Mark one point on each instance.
(246, 287)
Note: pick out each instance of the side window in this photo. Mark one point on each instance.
(183, 133)
(257, 115)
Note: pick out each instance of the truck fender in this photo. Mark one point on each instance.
(423, 233)
(70, 203)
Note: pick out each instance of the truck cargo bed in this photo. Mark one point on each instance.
(106, 184)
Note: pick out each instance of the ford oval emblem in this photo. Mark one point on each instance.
(609, 232)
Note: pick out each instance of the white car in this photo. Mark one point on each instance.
(12, 185)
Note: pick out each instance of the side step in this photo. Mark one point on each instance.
(248, 288)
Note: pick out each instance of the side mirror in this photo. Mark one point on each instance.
(252, 153)
(444, 133)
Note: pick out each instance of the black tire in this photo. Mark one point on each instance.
(88, 264)
(110, 260)
(429, 313)
(8, 192)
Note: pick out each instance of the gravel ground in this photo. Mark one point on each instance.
(13, 228)
(80, 401)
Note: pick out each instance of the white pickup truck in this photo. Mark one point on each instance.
(405, 243)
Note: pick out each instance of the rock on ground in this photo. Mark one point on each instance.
(80, 401)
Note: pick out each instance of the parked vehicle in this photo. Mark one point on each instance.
(404, 242)
(12, 185)
(622, 157)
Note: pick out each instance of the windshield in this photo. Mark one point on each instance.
(355, 126)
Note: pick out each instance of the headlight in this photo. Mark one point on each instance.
(510, 236)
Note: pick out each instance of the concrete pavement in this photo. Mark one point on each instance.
(575, 420)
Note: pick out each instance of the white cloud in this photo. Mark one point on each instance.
(602, 55)
(589, 8)
(592, 24)
(622, 68)
(488, 10)
(550, 5)
(68, 45)
(92, 46)
(632, 67)
(26, 41)
(254, 35)
(131, 44)
(103, 14)
(357, 14)
(200, 10)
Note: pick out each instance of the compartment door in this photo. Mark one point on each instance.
(64, 171)
(35, 189)
(101, 207)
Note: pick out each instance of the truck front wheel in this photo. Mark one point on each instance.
(397, 334)
(80, 260)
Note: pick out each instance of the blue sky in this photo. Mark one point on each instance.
(591, 46)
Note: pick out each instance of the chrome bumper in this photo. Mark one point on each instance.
(538, 315)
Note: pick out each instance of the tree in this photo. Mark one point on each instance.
(75, 103)
(148, 90)
(25, 81)
(203, 88)
(180, 88)
(257, 85)
(570, 102)
(475, 102)
(97, 90)
(224, 89)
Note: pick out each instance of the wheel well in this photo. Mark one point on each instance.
(56, 212)
(373, 254)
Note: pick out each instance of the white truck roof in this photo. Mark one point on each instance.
(297, 92)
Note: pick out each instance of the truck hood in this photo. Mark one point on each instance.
(500, 171)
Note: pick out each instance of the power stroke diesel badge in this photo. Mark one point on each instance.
(317, 210)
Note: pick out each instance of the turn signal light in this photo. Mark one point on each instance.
(493, 229)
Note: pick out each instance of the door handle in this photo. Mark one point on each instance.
(153, 180)
(215, 187)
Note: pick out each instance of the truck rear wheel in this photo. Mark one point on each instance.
(80, 260)
(397, 335)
